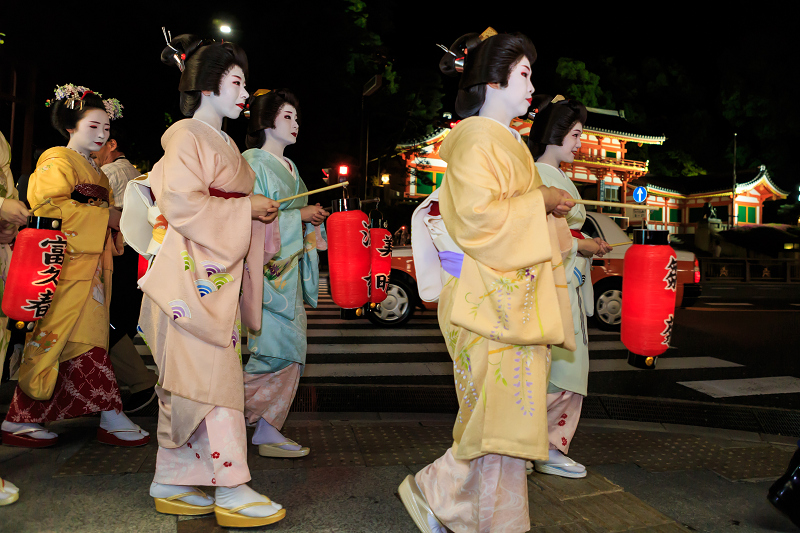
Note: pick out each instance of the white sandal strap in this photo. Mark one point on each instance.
(28, 430)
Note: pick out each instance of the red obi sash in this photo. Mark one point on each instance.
(577, 234)
(227, 195)
(219, 193)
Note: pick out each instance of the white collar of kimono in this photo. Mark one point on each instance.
(291, 163)
(219, 132)
(514, 132)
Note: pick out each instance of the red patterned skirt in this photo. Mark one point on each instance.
(85, 385)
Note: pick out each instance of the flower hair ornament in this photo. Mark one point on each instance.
(74, 95)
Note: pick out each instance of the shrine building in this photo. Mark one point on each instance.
(601, 171)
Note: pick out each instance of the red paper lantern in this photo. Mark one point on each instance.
(380, 257)
(349, 253)
(34, 270)
(649, 283)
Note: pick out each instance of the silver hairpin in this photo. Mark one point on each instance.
(443, 47)
(177, 55)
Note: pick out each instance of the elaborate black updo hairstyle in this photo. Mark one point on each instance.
(264, 108)
(205, 63)
(553, 121)
(63, 118)
(487, 61)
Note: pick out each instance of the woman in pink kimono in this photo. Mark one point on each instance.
(192, 314)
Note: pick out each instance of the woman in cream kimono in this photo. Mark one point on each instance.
(13, 214)
(65, 370)
(192, 313)
(278, 349)
(555, 138)
(502, 307)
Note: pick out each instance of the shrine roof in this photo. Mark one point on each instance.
(709, 183)
(612, 123)
(437, 135)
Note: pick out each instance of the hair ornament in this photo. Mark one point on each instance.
(460, 49)
(178, 58)
(557, 98)
(113, 108)
(73, 94)
(256, 94)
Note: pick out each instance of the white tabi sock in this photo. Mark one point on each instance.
(267, 434)
(159, 490)
(11, 427)
(112, 420)
(556, 457)
(232, 497)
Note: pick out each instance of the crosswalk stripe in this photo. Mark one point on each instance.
(728, 388)
(373, 332)
(666, 363)
(376, 348)
(445, 369)
(378, 369)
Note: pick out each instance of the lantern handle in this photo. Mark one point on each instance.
(42, 204)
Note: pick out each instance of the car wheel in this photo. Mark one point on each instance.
(608, 305)
(397, 308)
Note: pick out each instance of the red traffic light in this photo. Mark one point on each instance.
(343, 170)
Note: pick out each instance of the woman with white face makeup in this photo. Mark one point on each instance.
(278, 349)
(555, 138)
(65, 370)
(503, 299)
(217, 234)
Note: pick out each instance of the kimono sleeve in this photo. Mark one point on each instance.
(85, 225)
(289, 220)
(485, 219)
(219, 224)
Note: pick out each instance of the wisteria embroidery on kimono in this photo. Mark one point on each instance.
(523, 379)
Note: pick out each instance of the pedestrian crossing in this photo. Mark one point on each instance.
(357, 352)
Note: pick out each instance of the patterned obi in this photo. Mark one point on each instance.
(90, 193)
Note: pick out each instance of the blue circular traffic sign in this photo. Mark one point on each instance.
(640, 194)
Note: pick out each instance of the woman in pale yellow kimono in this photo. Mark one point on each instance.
(555, 138)
(192, 313)
(65, 370)
(13, 214)
(502, 307)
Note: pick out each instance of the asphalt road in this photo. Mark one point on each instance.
(755, 326)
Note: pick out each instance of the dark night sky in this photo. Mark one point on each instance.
(114, 48)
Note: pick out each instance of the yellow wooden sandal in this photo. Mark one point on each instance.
(11, 496)
(232, 518)
(174, 504)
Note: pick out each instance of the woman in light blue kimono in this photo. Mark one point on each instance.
(278, 350)
(555, 138)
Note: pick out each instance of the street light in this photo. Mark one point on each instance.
(385, 179)
(225, 28)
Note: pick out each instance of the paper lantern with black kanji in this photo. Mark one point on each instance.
(649, 284)
(380, 257)
(348, 253)
(34, 270)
